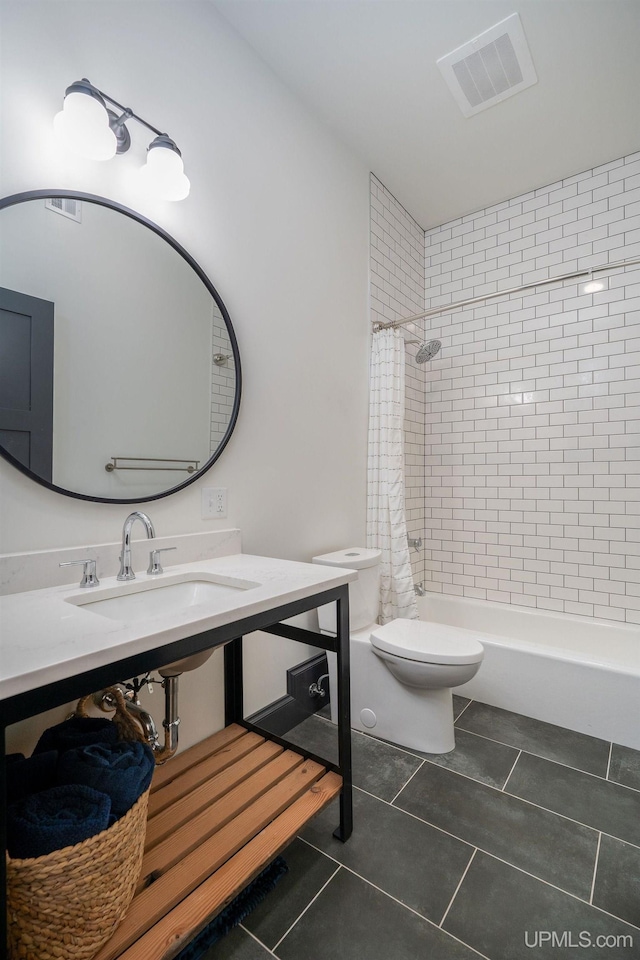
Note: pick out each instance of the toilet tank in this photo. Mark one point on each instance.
(364, 593)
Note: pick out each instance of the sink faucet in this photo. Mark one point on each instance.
(126, 570)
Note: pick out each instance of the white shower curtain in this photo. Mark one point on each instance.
(386, 523)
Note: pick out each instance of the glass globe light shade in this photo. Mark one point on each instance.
(83, 126)
(163, 173)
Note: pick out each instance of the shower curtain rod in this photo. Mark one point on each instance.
(451, 307)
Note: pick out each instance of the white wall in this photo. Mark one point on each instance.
(277, 216)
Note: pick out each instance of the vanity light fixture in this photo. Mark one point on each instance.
(90, 128)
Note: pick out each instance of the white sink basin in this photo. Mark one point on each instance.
(143, 600)
(161, 599)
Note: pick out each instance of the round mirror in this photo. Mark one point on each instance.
(119, 368)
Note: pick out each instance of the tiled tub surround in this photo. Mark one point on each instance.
(532, 409)
(577, 672)
(525, 828)
(522, 435)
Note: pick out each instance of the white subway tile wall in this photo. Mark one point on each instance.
(522, 439)
(397, 291)
(223, 382)
(532, 450)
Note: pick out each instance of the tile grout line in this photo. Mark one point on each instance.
(609, 761)
(481, 736)
(563, 816)
(455, 892)
(506, 862)
(487, 853)
(515, 796)
(313, 900)
(434, 826)
(574, 896)
(504, 785)
(558, 763)
(502, 790)
(406, 784)
(391, 897)
(414, 816)
(493, 856)
(462, 711)
(531, 803)
(540, 756)
(595, 870)
(253, 937)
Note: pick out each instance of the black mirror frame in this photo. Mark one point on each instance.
(17, 198)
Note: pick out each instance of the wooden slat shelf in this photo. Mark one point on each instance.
(218, 814)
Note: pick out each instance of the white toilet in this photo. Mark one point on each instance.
(401, 673)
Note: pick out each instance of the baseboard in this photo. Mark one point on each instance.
(280, 716)
(297, 704)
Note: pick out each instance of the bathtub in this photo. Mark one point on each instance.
(576, 672)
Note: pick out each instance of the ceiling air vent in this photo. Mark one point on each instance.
(66, 207)
(491, 67)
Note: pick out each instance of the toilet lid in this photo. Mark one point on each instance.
(428, 642)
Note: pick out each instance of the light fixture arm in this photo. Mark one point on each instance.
(120, 129)
(122, 119)
(130, 114)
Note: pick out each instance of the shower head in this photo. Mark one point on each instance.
(428, 351)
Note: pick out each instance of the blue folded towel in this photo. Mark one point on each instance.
(122, 770)
(26, 776)
(77, 732)
(56, 818)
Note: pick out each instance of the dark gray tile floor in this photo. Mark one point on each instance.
(521, 844)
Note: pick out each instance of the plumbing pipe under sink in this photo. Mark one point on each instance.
(106, 701)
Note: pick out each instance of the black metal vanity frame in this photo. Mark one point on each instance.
(35, 701)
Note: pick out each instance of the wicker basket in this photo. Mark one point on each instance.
(67, 904)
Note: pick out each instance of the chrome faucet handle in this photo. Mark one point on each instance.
(126, 570)
(155, 567)
(89, 577)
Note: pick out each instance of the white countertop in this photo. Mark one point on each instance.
(44, 637)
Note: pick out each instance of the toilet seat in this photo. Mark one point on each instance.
(427, 642)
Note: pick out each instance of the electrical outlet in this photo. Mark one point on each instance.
(214, 503)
